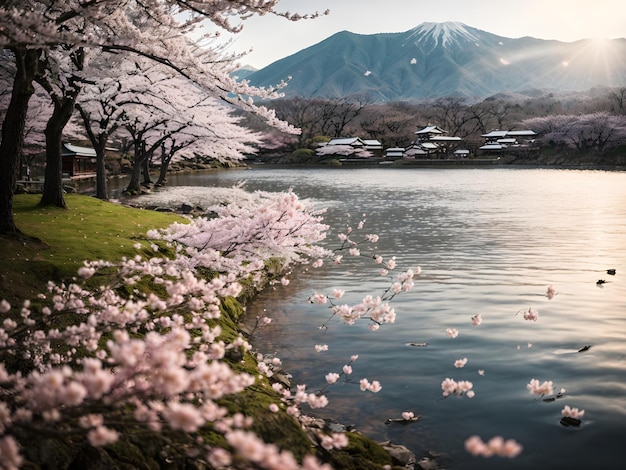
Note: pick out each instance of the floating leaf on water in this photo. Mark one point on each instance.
(402, 420)
(568, 421)
(416, 345)
(587, 347)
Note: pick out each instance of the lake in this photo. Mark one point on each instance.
(489, 241)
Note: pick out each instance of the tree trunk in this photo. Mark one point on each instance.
(63, 109)
(145, 169)
(99, 143)
(27, 62)
(134, 185)
(162, 174)
(101, 175)
(53, 183)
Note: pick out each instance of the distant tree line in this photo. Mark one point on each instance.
(591, 121)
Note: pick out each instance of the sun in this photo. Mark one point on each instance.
(599, 57)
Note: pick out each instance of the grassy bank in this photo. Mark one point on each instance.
(57, 241)
(53, 247)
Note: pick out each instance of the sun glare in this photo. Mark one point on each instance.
(598, 57)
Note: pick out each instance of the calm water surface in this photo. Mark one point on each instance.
(489, 242)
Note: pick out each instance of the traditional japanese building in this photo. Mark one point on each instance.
(78, 161)
(497, 141)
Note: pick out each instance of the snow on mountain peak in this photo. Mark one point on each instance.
(447, 33)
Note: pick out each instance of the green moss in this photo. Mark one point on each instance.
(361, 454)
(277, 428)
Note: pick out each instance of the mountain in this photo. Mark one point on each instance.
(449, 59)
(244, 72)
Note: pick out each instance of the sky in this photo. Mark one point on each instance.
(273, 38)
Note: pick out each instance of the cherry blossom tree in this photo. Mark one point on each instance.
(344, 151)
(33, 28)
(212, 134)
(146, 362)
(101, 108)
(584, 132)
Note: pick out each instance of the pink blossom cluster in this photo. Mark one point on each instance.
(376, 309)
(460, 363)
(161, 357)
(495, 446)
(536, 388)
(452, 332)
(452, 387)
(531, 314)
(250, 230)
(364, 384)
(373, 386)
(572, 412)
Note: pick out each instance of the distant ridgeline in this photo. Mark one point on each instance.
(437, 60)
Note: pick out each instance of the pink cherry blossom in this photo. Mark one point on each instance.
(452, 387)
(375, 386)
(545, 388)
(338, 293)
(531, 314)
(319, 298)
(9, 453)
(496, 446)
(317, 401)
(551, 292)
(183, 416)
(354, 252)
(572, 412)
(459, 363)
(334, 441)
(102, 436)
(452, 332)
(332, 377)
